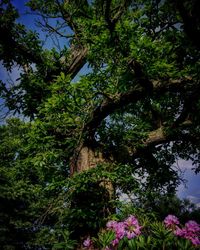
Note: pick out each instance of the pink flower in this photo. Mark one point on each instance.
(111, 224)
(190, 231)
(131, 221)
(192, 226)
(180, 232)
(130, 235)
(129, 228)
(132, 226)
(171, 221)
(195, 241)
(87, 243)
(115, 242)
(120, 230)
(137, 230)
(107, 248)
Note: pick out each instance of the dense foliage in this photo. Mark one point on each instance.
(130, 234)
(86, 140)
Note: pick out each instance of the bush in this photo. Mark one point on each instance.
(130, 234)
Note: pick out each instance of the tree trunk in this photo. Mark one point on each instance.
(86, 158)
(94, 199)
(89, 157)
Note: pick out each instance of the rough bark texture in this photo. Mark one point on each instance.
(87, 158)
(77, 61)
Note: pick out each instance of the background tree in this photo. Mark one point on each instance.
(118, 128)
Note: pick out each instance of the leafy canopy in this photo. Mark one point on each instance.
(116, 127)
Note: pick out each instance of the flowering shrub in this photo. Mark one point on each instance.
(87, 243)
(129, 234)
(170, 221)
(191, 231)
(129, 228)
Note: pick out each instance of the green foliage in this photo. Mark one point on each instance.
(29, 42)
(32, 178)
(55, 238)
(154, 235)
(135, 105)
(104, 239)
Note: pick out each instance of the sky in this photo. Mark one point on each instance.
(190, 190)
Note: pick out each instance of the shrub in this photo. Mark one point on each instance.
(129, 234)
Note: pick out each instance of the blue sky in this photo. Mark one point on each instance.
(30, 22)
(24, 17)
(192, 188)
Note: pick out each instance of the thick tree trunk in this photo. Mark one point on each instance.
(86, 158)
(89, 157)
(94, 199)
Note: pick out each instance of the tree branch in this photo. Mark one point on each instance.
(189, 106)
(111, 25)
(154, 138)
(120, 11)
(67, 17)
(109, 106)
(77, 61)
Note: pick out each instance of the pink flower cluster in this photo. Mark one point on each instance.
(87, 243)
(129, 228)
(171, 221)
(191, 231)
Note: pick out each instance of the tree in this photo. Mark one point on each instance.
(120, 126)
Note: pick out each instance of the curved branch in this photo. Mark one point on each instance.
(188, 109)
(108, 106)
(77, 61)
(157, 137)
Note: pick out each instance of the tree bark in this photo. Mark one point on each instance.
(87, 155)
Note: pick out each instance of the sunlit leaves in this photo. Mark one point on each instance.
(126, 44)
